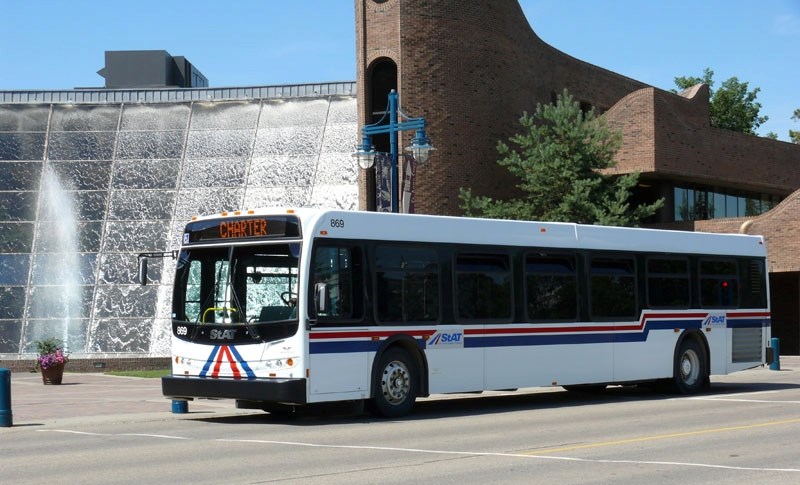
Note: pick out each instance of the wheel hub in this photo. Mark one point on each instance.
(690, 367)
(396, 384)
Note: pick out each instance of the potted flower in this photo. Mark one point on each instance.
(51, 360)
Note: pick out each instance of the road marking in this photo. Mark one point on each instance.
(69, 431)
(469, 453)
(730, 398)
(749, 400)
(665, 436)
(510, 455)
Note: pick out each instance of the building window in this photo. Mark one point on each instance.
(698, 203)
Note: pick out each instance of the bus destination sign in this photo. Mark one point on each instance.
(251, 227)
(243, 228)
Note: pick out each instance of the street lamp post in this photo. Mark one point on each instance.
(398, 121)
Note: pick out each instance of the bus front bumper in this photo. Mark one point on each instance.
(267, 390)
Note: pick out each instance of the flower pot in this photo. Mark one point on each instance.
(53, 374)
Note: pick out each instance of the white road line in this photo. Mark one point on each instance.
(113, 434)
(443, 452)
(747, 400)
(512, 455)
(730, 398)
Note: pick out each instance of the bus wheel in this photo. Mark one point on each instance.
(395, 385)
(689, 373)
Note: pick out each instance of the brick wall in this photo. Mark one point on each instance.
(780, 228)
(471, 68)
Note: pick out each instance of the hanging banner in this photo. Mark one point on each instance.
(407, 187)
(383, 183)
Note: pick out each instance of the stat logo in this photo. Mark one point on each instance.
(446, 340)
(714, 321)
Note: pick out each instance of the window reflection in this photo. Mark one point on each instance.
(694, 204)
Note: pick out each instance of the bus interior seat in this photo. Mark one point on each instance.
(275, 313)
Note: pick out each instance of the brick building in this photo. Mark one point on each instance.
(472, 68)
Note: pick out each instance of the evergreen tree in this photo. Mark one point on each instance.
(558, 159)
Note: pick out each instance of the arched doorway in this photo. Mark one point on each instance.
(381, 78)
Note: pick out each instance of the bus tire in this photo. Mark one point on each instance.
(395, 384)
(689, 374)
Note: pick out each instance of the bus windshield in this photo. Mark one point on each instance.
(237, 285)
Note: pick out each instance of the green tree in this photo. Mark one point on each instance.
(794, 136)
(732, 106)
(558, 159)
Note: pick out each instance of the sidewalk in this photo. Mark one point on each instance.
(94, 395)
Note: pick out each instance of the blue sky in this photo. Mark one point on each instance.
(60, 44)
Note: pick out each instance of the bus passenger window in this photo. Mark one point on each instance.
(613, 288)
(483, 287)
(754, 284)
(668, 283)
(407, 287)
(719, 285)
(333, 266)
(340, 269)
(551, 287)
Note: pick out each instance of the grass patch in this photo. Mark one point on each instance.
(140, 373)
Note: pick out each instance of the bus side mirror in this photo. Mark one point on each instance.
(141, 276)
(321, 298)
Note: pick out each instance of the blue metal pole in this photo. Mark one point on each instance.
(775, 343)
(6, 419)
(393, 135)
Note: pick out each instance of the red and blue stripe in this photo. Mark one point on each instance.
(352, 341)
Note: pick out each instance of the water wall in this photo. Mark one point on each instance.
(85, 187)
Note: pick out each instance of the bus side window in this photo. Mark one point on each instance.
(668, 283)
(613, 288)
(406, 284)
(754, 284)
(338, 268)
(551, 282)
(483, 287)
(719, 284)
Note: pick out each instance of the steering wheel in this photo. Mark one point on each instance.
(289, 298)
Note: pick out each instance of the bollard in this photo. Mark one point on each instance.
(5, 399)
(775, 343)
(180, 407)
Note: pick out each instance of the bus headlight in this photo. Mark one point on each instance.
(278, 364)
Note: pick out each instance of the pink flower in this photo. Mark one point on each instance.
(52, 359)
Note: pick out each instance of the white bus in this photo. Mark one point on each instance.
(296, 306)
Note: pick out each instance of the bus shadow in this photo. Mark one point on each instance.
(464, 405)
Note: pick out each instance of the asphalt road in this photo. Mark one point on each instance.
(746, 429)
